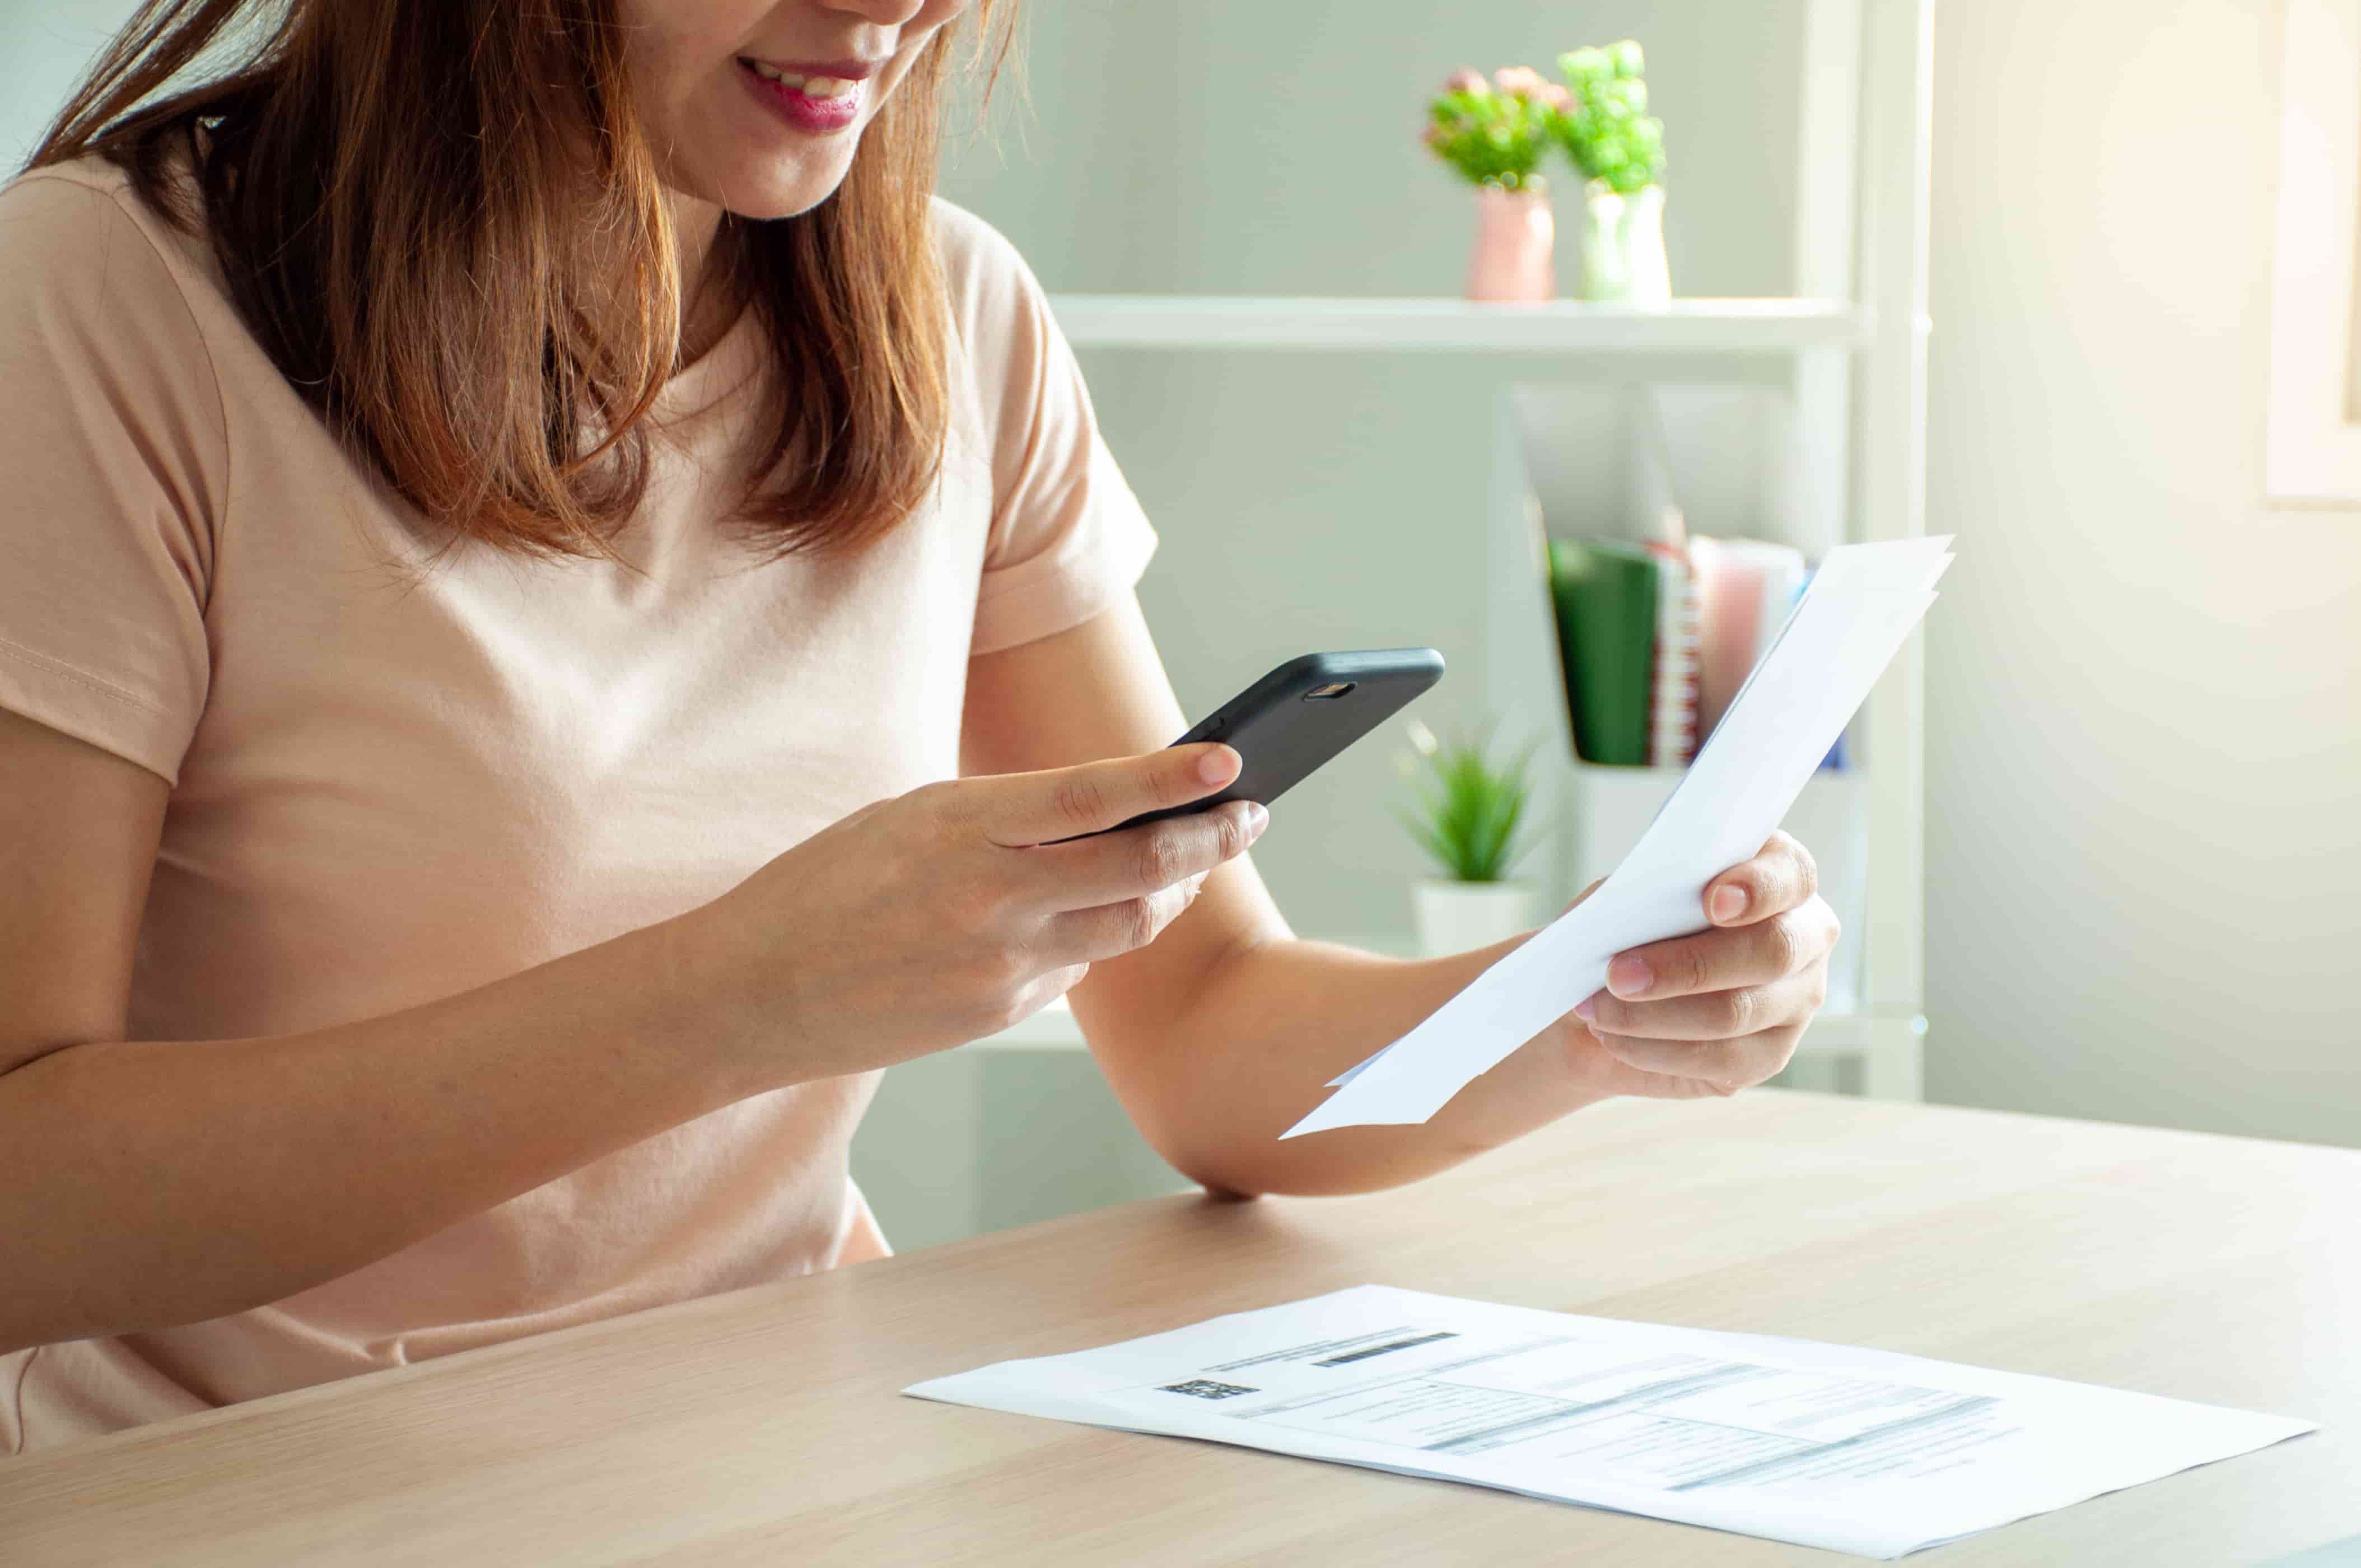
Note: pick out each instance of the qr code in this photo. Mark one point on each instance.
(1206, 1389)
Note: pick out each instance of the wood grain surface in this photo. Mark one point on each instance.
(765, 1426)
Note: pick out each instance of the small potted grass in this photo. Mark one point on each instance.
(1468, 817)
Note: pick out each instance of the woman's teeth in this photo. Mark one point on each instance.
(809, 86)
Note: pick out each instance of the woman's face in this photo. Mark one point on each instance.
(756, 105)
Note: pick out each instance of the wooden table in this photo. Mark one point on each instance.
(765, 1426)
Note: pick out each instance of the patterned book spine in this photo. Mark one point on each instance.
(1672, 692)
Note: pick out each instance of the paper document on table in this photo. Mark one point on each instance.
(1860, 1451)
(1846, 629)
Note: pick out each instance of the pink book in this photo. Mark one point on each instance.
(1744, 589)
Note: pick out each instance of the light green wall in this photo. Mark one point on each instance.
(2143, 796)
(44, 46)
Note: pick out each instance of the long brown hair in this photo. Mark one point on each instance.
(399, 196)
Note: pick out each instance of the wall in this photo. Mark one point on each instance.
(44, 46)
(2144, 807)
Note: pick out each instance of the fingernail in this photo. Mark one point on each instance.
(1587, 1009)
(1218, 766)
(1728, 904)
(1628, 976)
(1257, 818)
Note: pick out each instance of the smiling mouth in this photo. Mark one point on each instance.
(812, 102)
(823, 89)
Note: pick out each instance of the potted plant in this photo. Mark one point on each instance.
(1604, 126)
(1495, 134)
(1468, 817)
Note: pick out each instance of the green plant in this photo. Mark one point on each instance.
(1469, 810)
(1604, 126)
(1495, 132)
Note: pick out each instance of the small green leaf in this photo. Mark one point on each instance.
(1468, 811)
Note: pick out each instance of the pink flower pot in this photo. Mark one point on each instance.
(1514, 235)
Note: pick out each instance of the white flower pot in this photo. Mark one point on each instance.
(1460, 916)
(1623, 247)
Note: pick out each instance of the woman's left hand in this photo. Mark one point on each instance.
(1720, 1011)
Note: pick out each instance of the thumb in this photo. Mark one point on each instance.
(1068, 803)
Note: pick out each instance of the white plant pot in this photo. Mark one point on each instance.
(1460, 916)
(1622, 247)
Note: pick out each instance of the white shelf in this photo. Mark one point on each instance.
(1054, 1029)
(1560, 326)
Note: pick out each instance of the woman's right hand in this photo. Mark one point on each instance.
(948, 914)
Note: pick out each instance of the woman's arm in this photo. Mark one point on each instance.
(153, 1182)
(1225, 1032)
(146, 1183)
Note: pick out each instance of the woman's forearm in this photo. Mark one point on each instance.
(147, 1183)
(1271, 1023)
(160, 1182)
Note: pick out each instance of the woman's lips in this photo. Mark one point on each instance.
(809, 103)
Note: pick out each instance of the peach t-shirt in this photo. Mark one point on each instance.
(388, 787)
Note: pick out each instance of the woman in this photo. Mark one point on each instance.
(556, 612)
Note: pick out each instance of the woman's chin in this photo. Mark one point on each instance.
(761, 182)
(763, 196)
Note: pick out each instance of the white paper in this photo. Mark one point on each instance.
(1860, 1451)
(1846, 629)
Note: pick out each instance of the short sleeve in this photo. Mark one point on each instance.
(1068, 539)
(112, 458)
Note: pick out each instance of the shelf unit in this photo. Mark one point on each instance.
(1559, 327)
(1853, 339)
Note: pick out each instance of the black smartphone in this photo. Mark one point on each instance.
(1293, 720)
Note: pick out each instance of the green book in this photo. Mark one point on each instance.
(1606, 596)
